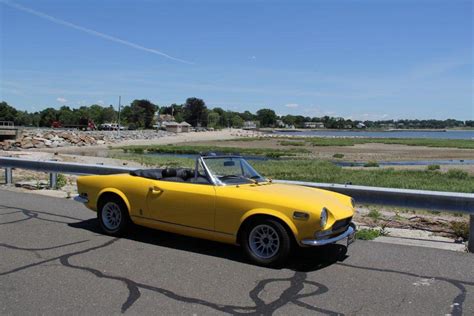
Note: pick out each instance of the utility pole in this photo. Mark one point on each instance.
(118, 119)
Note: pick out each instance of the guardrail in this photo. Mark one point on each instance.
(433, 200)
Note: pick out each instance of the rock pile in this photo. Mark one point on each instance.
(50, 138)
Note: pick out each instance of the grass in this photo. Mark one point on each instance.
(291, 143)
(460, 229)
(371, 164)
(61, 180)
(338, 156)
(374, 214)
(457, 174)
(368, 234)
(433, 167)
(324, 171)
(182, 149)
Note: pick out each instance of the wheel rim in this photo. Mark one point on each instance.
(264, 241)
(111, 216)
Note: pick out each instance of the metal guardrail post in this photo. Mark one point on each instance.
(470, 242)
(8, 176)
(53, 180)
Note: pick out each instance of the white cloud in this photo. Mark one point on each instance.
(61, 100)
(292, 105)
(253, 57)
(437, 68)
(100, 102)
(92, 32)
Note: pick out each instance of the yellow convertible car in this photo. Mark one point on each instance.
(223, 199)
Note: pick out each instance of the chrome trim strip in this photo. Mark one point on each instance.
(321, 242)
(81, 199)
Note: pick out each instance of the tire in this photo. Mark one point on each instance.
(266, 242)
(113, 216)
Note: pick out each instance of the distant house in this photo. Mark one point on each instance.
(313, 125)
(160, 119)
(174, 127)
(250, 125)
(185, 127)
(280, 123)
(387, 126)
(361, 125)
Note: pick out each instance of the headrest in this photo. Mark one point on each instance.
(185, 173)
(169, 172)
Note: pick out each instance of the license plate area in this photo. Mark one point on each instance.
(346, 241)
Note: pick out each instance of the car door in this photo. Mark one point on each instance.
(182, 203)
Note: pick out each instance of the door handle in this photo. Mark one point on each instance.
(155, 189)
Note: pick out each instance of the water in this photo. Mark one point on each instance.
(388, 134)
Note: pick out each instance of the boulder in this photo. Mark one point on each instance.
(26, 144)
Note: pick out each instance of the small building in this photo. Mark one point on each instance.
(161, 119)
(361, 125)
(185, 127)
(313, 125)
(280, 123)
(172, 127)
(250, 125)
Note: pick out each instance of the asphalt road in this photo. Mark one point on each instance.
(55, 260)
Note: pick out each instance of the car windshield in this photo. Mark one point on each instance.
(232, 170)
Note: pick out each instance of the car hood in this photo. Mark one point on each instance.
(301, 198)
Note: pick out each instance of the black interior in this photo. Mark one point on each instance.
(171, 174)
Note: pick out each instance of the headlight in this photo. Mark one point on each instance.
(353, 203)
(324, 217)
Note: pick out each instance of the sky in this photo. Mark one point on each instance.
(359, 59)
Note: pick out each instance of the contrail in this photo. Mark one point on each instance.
(92, 32)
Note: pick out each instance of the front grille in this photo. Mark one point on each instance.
(341, 224)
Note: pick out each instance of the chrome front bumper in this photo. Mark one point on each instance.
(349, 233)
(81, 199)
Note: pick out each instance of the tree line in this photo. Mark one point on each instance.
(142, 114)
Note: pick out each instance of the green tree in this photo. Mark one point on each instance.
(66, 116)
(213, 119)
(289, 119)
(7, 112)
(195, 112)
(248, 116)
(126, 114)
(137, 115)
(48, 116)
(237, 121)
(267, 117)
(108, 115)
(22, 118)
(143, 112)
